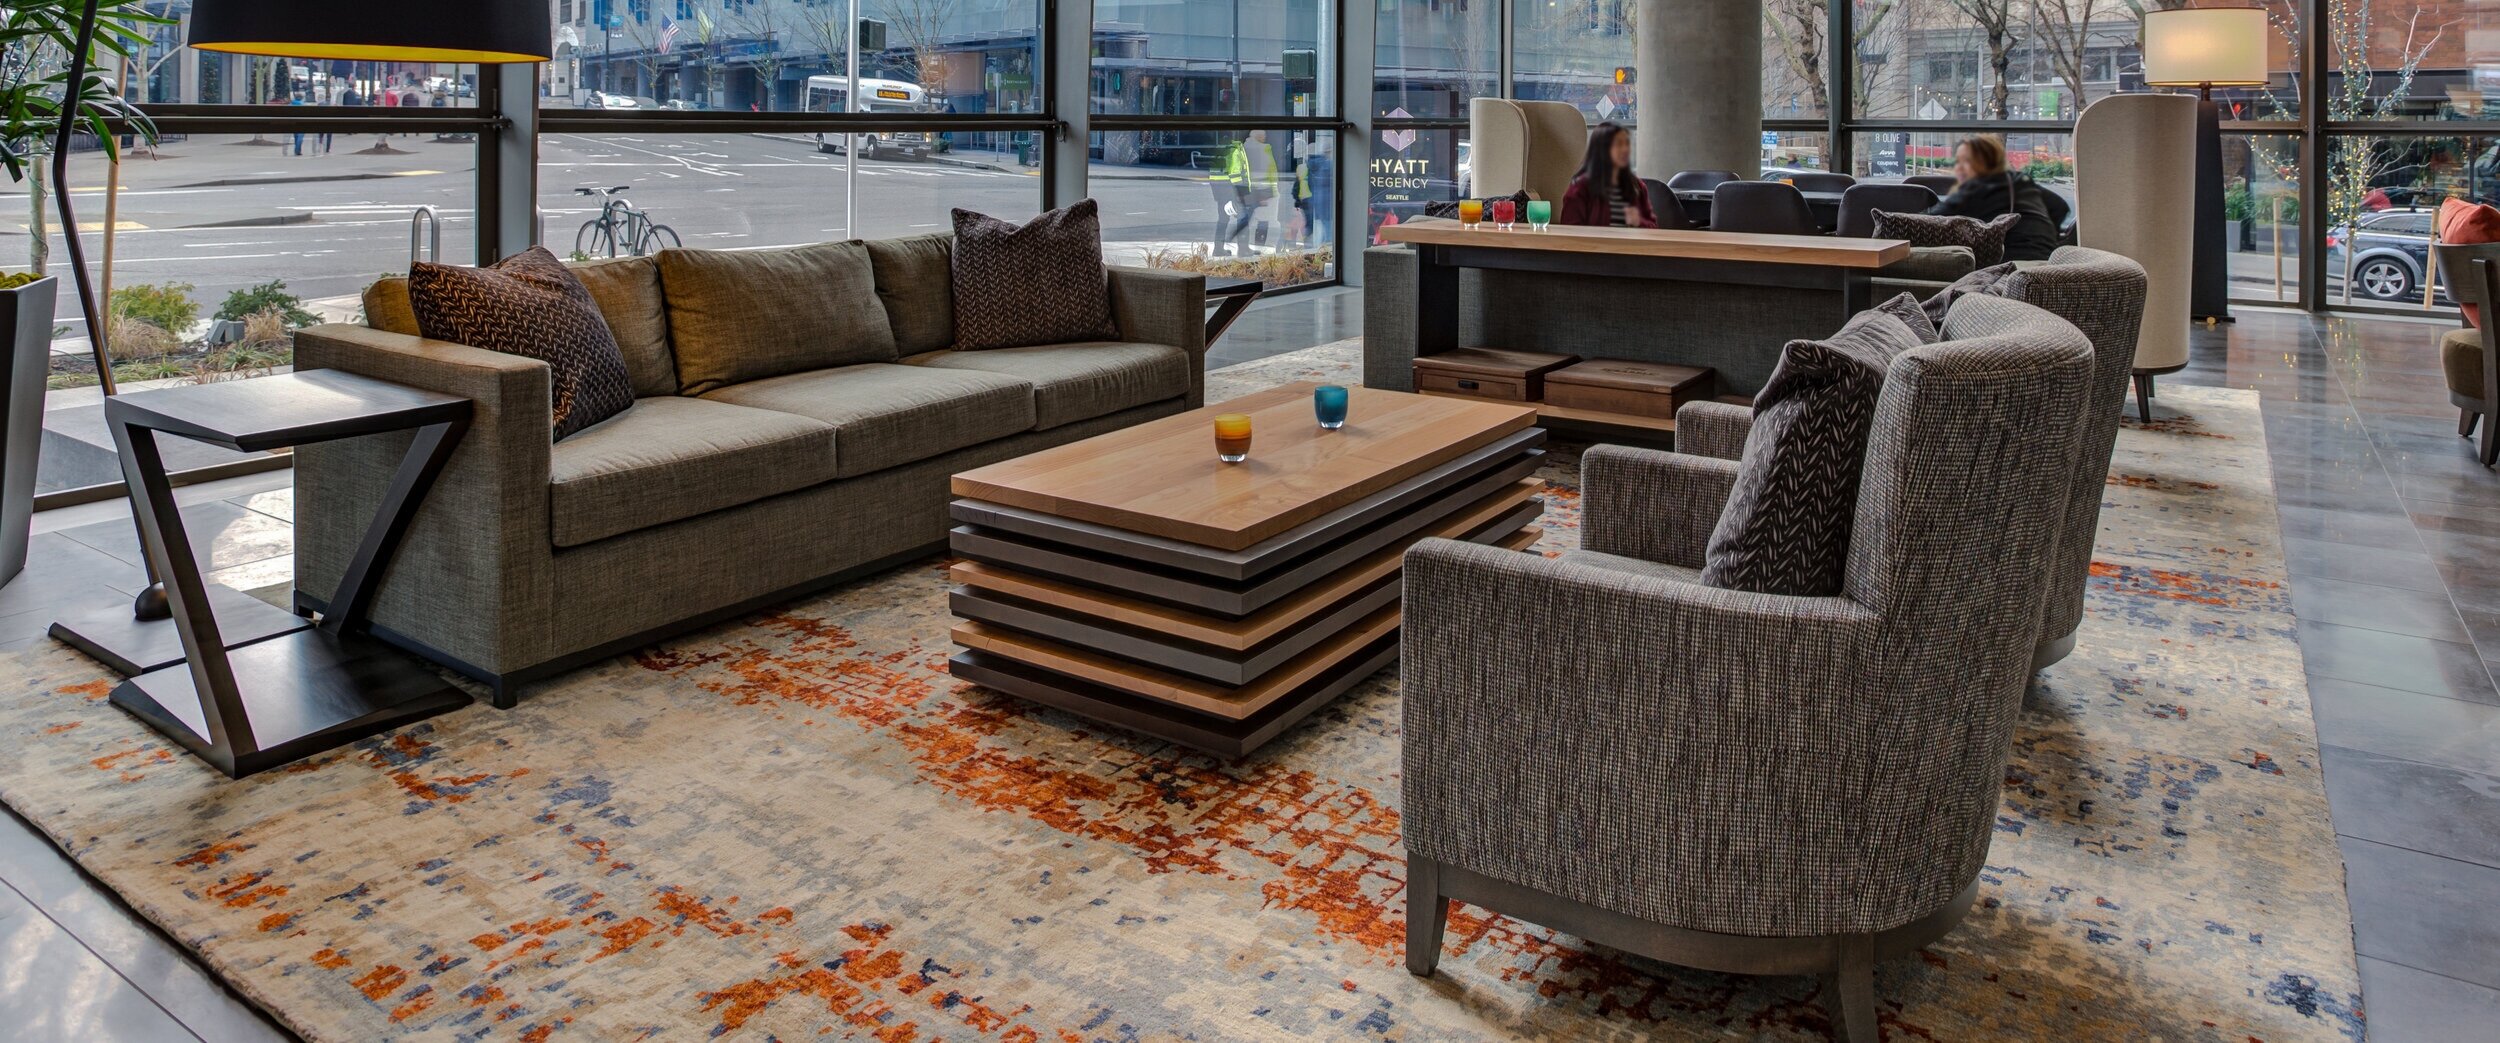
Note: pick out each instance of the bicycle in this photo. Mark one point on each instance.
(620, 225)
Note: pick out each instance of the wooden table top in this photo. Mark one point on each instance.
(1162, 478)
(1824, 250)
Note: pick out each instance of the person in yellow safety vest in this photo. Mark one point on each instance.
(1251, 169)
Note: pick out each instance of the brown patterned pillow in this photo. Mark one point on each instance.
(1039, 283)
(1786, 526)
(529, 305)
(1986, 239)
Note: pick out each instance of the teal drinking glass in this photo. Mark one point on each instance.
(1540, 214)
(1329, 401)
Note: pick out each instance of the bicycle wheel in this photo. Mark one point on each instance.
(656, 238)
(595, 240)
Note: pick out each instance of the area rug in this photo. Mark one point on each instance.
(800, 826)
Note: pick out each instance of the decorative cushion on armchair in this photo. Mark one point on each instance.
(2462, 223)
(1986, 239)
(1786, 526)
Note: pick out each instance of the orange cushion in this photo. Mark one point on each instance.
(2462, 222)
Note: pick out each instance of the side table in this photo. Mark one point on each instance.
(1231, 297)
(255, 707)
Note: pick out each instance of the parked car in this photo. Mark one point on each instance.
(2389, 250)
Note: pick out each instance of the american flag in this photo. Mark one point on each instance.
(668, 34)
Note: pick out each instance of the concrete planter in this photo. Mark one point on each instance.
(26, 317)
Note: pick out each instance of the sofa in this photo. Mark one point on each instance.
(1743, 782)
(793, 427)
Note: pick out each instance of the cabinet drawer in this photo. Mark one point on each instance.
(1503, 389)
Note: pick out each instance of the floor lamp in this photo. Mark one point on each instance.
(144, 637)
(2205, 48)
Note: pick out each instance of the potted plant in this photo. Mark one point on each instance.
(37, 38)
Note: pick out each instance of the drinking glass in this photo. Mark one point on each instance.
(1540, 214)
(1505, 211)
(1471, 213)
(1232, 437)
(1329, 401)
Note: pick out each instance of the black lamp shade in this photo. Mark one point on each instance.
(479, 31)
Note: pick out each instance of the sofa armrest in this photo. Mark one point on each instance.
(1601, 735)
(1160, 306)
(1713, 429)
(479, 552)
(1642, 503)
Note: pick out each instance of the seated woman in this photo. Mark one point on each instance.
(1989, 190)
(1606, 192)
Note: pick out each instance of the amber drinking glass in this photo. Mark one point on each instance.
(1232, 438)
(1471, 213)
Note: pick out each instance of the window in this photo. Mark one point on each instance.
(1209, 58)
(1257, 204)
(1570, 51)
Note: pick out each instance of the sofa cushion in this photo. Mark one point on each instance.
(628, 292)
(668, 459)
(1073, 382)
(741, 315)
(1787, 523)
(532, 306)
(916, 281)
(886, 415)
(387, 308)
(2461, 360)
(1041, 282)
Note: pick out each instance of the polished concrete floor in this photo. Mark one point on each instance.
(2391, 529)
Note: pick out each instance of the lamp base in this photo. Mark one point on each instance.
(2209, 281)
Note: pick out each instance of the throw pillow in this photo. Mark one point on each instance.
(741, 315)
(2461, 222)
(1985, 280)
(529, 305)
(1786, 526)
(1912, 314)
(1986, 239)
(1041, 282)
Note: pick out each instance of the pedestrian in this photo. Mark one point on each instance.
(1251, 168)
(299, 135)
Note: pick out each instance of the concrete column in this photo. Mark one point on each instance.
(1700, 87)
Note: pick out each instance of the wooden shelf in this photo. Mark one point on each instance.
(1547, 411)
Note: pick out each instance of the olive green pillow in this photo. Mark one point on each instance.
(741, 315)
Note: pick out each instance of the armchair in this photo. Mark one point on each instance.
(1745, 782)
(1531, 146)
(2099, 293)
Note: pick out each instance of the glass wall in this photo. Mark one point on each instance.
(1980, 60)
(943, 56)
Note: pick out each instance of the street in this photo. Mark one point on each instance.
(222, 213)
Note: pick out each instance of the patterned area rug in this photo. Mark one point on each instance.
(800, 826)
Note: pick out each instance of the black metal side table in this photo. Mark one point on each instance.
(1231, 297)
(260, 705)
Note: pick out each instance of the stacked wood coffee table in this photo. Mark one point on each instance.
(1134, 579)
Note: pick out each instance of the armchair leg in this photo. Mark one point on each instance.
(1427, 916)
(2465, 422)
(1853, 989)
(2491, 443)
(2144, 396)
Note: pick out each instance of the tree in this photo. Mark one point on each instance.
(921, 27)
(766, 20)
(1995, 19)
(2064, 30)
(36, 38)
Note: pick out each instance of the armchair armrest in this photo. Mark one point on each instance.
(1715, 429)
(1160, 306)
(1655, 506)
(1655, 747)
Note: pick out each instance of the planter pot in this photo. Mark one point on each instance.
(26, 317)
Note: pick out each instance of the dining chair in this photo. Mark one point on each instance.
(1670, 210)
(2470, 357)
(1859, 203)
(1822, 181)
(1940, 184)
(1766, 207)
(1700, 179)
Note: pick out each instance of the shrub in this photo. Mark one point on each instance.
(268, 296)
(129, 338)
(13, 280)
(167, 306)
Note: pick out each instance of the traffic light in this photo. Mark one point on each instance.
(871, 35)
(1301, 63)
(1623, 76)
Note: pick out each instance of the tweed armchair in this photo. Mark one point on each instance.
(1746, 782)
(2100, 293)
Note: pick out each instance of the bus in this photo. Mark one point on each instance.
(827, 93)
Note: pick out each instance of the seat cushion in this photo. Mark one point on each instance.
(2461, 357)
(1041, 282)
(915, 279)
(628, 292)
(886, 415)
(741, 315)
(1073, 382)
(669, 459)
(531, 305)
(1932, 264)
(1788, 520)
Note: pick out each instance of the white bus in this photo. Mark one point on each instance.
(827, 93)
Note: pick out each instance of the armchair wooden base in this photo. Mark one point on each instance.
(1845, 961)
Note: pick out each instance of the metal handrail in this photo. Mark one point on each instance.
(425, 235)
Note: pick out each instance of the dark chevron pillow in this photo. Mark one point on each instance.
(1986, 239)
(1985, 280)
(1041, 282)
(1912, 314)
(531, 305)
(1786, 526)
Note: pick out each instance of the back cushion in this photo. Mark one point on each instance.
(1041, 282)
(916, 282)
(628, 292)
(2462, 222)
(736, 316)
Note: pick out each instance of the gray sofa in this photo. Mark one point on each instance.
(1746, 782)
(2098, 292)
(1736, 330)
(784, 437)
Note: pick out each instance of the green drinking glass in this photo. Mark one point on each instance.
(1540, 214)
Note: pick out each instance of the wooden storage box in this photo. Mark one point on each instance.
(1511, 376)
(1650, 389)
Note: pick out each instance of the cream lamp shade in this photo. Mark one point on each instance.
(2205, 46)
